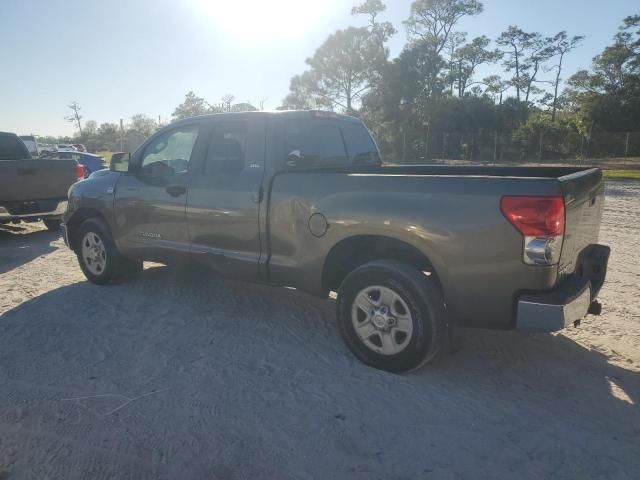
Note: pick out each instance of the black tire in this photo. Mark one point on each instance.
(116, 267)
(424, 300)
(53, 225)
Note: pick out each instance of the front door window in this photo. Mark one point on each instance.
(170, 153)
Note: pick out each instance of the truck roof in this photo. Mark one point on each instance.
(293, 114)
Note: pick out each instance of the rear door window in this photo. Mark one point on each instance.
(228, 148)
(313, 144)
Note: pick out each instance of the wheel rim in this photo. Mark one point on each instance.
(94, 253)
(382, 320)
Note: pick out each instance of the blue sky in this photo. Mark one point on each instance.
(122, 57)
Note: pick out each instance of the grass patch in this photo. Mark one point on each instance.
(622, 174)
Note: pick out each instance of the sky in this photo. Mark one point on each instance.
(117, 58)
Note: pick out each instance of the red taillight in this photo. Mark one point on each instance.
(535, 216)
(79, 172)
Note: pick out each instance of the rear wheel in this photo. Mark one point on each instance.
(391, 316)
(52, 225)
(98, 256)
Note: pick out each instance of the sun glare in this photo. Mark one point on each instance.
(261, 20)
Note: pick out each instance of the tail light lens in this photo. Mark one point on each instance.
(79, 172)
(541, 222)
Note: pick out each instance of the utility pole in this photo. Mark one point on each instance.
(404, 145)
(121, 135)
(626, 146)
(540, 147)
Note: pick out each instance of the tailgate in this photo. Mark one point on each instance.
(22, 180)
(584, 202)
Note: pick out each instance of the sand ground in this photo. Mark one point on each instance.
(188, 376)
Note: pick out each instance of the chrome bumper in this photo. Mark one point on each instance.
(61, 207)
(555, 311)
(570, 301)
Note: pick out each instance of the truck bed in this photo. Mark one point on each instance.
(451, 213)
(32, 179)
(459, 170)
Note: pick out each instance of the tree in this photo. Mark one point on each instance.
(227, 102)
(108, 137)
(562, 45)
(468, 57)
(370, 7)
(342, 70)
(454, 42)
(75, 117)
(373, 8)
(517, 43)
(608, 97)
(419, 70)
(303, 94)
(142, 125)
(431, 24)
(90, 128)
(495, 86)
(433, 20)
(541, 50)
(191, 107)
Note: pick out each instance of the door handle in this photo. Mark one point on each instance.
(176, 190)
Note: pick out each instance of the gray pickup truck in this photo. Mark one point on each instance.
(302, 199)
(33, 189)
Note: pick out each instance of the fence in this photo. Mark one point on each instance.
(495, 147)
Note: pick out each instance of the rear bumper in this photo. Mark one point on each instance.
(570, 301)
(41, 208)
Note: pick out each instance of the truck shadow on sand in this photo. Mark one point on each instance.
(224, 341)
(20, 245)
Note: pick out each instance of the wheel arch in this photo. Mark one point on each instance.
(353, 252)
(76, 220)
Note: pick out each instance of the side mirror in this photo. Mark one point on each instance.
(120, 162)
(293, 159)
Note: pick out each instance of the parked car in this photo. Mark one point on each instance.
(301, 199)
(33, 189)
(79, 147)
(62, 147)
(45, 148)
(90, 162)
(31, 143)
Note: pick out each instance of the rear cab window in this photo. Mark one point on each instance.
(12, 148)
(322, 143)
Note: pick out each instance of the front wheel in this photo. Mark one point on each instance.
(391, 316)
(98, 256)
